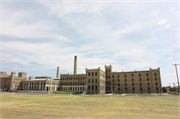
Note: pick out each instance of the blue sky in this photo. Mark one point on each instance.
(39, 35)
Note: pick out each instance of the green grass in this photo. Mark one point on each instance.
(55, 106)
(67, 92)
(61, 92)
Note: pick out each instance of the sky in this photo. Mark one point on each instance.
(39, 35)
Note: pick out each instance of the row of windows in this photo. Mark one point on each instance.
(72, 88)
(39, 83)
(132, 84)
(92, 87)
(72, 78)
(133, 79)
(73, 83)
(92, 81)
(147, 74)
(92, 74)
(108, 88)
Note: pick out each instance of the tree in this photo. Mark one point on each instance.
(173, 89)
(164, 89)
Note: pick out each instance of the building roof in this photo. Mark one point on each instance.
(44, 79)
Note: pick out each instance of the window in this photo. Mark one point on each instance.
(148, 88)
(76, 78)
(139, 75)
(96, 87)
(106, 76)
(118, 84)
(112, 76)
(148, 84)
(92, 80)
(124, 75)
(96, 80)
(83, 77)
(139, 79)
(125, 88)
(156, 83)
(118, 88)
(118, 80)
(133, 88)
(109, 82)
(113, 80)
(89, 74)
(109, 76)
(132, 75)
(140, 84)
(140, 88)
(89, 80)
(92, 87)
(113, 84)
(125, 80)
(92, 73)
(132, 84)
(147, 74)
(155, 79)
(154, 74)
(89, 87)
(132, 79)
(106, 82)
(118, 76)
(125, 84)
(95, 73)
(156, 88)
(147, 79)
(109, 70)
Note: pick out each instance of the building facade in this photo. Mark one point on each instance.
(97, 81)
(9, 82)
(40, 83)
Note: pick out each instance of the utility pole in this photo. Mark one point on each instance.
(177, 75)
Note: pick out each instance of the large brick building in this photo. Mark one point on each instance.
(98, 81)
(8, 82)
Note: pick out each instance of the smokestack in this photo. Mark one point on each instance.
(75, 64)
(57, 76)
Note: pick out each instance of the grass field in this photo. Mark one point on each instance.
(55, 106)
(67, 92)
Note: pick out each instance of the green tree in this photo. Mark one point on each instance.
(164, 89)
(173, 89)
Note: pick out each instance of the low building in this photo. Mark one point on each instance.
(40, 83)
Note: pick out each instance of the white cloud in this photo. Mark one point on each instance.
(172, 10)
(161, 22)
(167, 26)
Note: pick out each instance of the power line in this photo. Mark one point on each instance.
(177, 75)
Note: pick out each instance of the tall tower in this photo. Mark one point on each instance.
(57, 76)
(75, 64)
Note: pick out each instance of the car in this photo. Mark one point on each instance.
(13, 90)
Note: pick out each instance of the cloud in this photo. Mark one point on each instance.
(161, 22)
(128, 35)
(167, 26)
